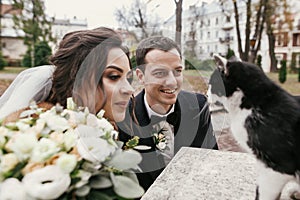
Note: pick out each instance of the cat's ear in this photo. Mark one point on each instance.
(221, 62)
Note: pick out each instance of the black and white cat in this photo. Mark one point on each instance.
(264, 119)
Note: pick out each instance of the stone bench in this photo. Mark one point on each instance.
(196, 174)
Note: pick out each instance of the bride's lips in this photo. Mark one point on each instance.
(122, 104)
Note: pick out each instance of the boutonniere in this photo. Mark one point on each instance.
(160, 139)
(133, 143)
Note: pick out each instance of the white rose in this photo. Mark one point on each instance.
(44, 149)
(67, 163)
(94, 149)
(12, 188)
(8, 162)
(22, 145)
(49, 182)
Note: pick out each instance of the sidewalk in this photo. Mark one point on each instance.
(7, 76)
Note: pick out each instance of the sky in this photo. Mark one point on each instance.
(101, 12)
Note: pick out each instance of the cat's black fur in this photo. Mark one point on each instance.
(269, 119)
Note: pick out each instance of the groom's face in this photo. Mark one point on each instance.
(162, 78)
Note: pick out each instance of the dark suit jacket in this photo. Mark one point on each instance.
(192, 128)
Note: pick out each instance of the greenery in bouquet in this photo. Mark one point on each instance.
(65, 154)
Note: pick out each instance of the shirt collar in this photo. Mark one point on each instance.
(151, 112)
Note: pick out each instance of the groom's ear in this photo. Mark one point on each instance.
(140, 75)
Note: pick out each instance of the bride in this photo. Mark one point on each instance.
(91, 66)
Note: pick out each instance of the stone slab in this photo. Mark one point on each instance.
(196, 174)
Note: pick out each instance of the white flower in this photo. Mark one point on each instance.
(39, 126)
(74, 118)
(70, 139)
(44, 149)
(12, 189)
(71, 105)
(49, 182)
(103, 123)
(88, 131)
(67, 162)
(161, 145)
(55, 122)
(84, 178)
(3, 131)
(22, 126)
(2, 141)
(94, 149)
(8, 162)
(22, 145)
(100, 114)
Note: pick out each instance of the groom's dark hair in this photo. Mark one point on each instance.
(150, 43)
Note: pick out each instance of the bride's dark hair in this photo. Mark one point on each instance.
(80, 61)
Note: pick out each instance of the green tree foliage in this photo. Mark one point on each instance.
(258, 61)
(33, 22)
(282, 71)
(42, 53)
(3, 62)
(133, 62)
(230, 53)
(26, 61)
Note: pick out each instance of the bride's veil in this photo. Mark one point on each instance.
(31, 84)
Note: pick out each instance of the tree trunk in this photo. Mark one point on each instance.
(273, 67)
(178, 21)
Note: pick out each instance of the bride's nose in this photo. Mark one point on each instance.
(126, 88)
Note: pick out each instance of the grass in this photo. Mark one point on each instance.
(193, 80)
(197, 81)
(12, 70)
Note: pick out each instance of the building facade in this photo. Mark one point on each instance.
(210, 28)
(12, 43)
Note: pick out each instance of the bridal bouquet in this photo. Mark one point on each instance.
(65, 154)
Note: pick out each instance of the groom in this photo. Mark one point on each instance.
(163, 116)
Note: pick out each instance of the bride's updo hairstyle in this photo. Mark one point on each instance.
(80, 61)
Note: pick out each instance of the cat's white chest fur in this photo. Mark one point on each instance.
(237, 118)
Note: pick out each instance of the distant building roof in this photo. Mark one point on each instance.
(70, 22)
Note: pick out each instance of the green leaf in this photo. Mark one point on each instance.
(100, 195)
(127, 188)
(100, 182)
(123, 160)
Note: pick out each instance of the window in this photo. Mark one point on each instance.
(208, 35)
(217, 21)
(217, 34)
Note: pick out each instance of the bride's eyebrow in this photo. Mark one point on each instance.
(115, 67)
